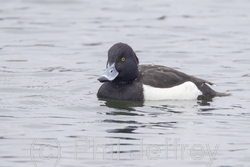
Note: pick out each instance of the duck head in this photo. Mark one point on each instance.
(122, 64)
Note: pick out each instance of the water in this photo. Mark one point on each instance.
(52, 52)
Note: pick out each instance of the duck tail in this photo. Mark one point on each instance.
(219, 94)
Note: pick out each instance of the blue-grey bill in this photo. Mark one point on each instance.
(109, 75)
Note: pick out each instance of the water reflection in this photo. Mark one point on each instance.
(133, 117)
(122, 105)
(127, 129)
(175, 106)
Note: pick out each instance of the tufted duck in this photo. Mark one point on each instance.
(124, 79)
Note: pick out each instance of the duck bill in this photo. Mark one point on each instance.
(110, 74)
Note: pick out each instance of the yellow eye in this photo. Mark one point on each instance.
(123, 59)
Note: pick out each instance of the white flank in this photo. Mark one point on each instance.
(185, 91)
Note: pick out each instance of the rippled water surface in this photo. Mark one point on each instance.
(51, 53)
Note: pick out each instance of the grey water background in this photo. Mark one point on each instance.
(52, 52)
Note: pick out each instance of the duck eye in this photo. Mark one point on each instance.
(123, 59)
